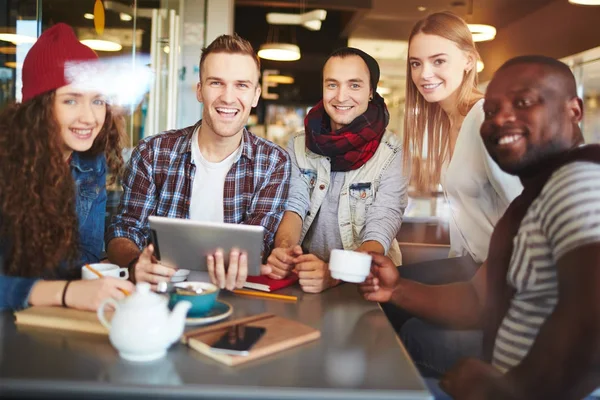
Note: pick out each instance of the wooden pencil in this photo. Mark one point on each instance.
(265, 295)
(99, 275)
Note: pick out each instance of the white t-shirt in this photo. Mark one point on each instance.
(565, 216)
(206, 203)
(477, 190)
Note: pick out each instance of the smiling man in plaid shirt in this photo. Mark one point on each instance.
(213, 171)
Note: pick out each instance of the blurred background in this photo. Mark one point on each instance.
(295, 37)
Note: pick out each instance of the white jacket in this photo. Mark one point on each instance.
(360, 188)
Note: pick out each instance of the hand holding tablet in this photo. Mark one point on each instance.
(230, 277)
(229, 252)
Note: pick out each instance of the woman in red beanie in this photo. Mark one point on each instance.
(56, 147)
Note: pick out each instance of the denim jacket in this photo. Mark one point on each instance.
(90, 181)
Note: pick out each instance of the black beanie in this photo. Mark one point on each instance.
(372, 64)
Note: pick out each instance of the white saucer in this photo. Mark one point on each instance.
(181, 275)
(220, 311)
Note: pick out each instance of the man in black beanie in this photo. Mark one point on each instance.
(347, 189)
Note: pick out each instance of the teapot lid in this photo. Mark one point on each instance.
(143, 297)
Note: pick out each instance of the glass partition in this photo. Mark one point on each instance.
(590, 74)
(586, 68)
(18, 31)
(135, 34)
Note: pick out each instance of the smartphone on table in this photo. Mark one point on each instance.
(238, 340)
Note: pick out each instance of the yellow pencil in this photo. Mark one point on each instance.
(265, 295)
(99, 275)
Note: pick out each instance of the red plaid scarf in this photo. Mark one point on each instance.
(353, 145)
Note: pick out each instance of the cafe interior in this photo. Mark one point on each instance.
(357, 354)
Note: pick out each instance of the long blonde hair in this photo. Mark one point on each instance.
(428, 120)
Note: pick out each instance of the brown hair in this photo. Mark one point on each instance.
(38, 220)
(428, 119)
(230, 44)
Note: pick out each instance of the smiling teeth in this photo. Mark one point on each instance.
(82, 132)
(227, 110)
(432, 85)
(508, 139)
(343, 108)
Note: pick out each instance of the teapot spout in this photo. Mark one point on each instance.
(177, 319)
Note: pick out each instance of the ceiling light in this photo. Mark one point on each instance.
(8, 50)
(17, 39)
(102, 45)
(481, 32)
(279, 52)
(421, 8)
(381, 49)
(310, 20)
(480, 65)
(88, 16)
(12, 64)
(586, 2)
(281, 79)
(312, 25)
(125, 17)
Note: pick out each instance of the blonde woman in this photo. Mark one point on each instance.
(444, 111)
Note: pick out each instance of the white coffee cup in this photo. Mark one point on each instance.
(349, 266)
(111, 270)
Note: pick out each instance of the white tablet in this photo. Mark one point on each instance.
(184, 243)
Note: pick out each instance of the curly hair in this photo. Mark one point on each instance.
(38, 220)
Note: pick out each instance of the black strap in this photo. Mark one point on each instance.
(64, 293)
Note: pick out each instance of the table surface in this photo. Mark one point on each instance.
(357, 357)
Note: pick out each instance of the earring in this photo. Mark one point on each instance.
(370, 98)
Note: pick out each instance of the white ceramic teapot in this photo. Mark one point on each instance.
(143, 328)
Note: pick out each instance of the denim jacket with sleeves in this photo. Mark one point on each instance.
(89, 174)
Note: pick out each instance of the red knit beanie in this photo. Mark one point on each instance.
(44, 65)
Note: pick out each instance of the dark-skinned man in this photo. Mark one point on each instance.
(538, 298)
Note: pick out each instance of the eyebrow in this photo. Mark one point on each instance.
(357, 80)
(514, 92)
(71, 94)
(215, 78)
(80, 95)
(433, 56)
(523, 90)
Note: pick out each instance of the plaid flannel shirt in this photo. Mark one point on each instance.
(159, 176)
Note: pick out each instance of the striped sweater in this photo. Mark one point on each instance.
(565, 216)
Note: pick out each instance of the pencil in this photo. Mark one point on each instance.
(265, 295)
(99, 275)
